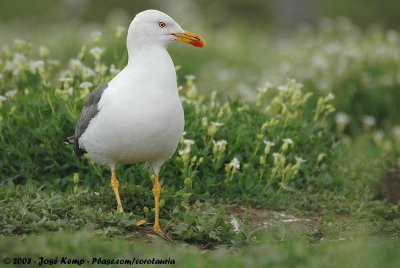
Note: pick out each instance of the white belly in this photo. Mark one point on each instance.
(127, 133)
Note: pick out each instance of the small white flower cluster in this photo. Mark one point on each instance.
(231, 169)
(86, 85)
(219, 146)
(368, 121)
(11, 93)
(190, 163)
(286, 143)
(96, 52)
(213, 128)
(187, 149)
(235, 163)
(36, 65)
(77, 67)
(342, 118)
(7, 95)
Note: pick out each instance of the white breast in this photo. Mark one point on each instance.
(140, 115)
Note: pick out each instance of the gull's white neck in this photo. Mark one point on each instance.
(147, 54)
(150, 67)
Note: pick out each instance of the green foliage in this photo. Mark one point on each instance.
(270, 147)
(359, 67)
(269, 254)
(28, 209)
(284, 151)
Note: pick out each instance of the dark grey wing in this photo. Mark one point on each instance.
(88, 112)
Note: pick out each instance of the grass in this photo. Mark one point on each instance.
(294, 252)
(285, 175)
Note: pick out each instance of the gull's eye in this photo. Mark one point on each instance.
(162, 24)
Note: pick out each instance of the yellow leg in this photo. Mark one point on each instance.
(156, 192)
(115, 185)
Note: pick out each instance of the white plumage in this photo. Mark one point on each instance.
(138, 117)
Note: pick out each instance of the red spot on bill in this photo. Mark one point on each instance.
(197, 43)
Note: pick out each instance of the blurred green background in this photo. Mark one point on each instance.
(237, 32)
(276, 15)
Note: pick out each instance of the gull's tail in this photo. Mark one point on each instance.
(71, 140)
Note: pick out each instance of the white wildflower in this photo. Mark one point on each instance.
(65, 79)
(283, 88)
(296, 84)
(368, 120)
(220, 144)
(188, 142)
(185, 151)
(275, 155)
(86, 85)
(11, 93)
(288, 141)
(330, 96)
(268, 85)
(35, 65)
(216, 124)
(87, 71)
(279, 159)
(264, 89)
(235, 224)
(190, 77)
(75, 64)
(114, 70)
(378, 136)
(268, 143)
(10, 66)
(70, 91)
(342, 118)
(96, 52)
(268, 146)
(235, 163)
(299, 159)
(2, 98)
(19, 59)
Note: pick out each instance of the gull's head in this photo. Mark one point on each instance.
(153, 27)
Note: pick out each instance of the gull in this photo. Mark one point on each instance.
(137, 116)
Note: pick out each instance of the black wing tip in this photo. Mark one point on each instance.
(78, 151)
(71, 140)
